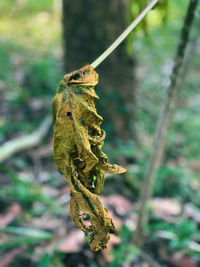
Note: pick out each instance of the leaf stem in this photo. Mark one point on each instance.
(123, 35)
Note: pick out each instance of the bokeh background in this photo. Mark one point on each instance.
(40, 41)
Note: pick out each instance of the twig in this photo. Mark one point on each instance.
(163, 124)
(24, 142)
(112, 47)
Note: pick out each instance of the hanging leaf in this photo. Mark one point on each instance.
(78, 141)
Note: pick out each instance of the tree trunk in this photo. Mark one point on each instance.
(89, 27)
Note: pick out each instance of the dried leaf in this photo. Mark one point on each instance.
(107, 253)
(13, 212)
(182, 261)
(78, 141)
(164, 207)
(10, 256)
(191, 211)
(121, 204)
(73, 242)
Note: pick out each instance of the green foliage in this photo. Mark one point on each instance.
(179, 235)
(125, 252)
(121, 148)
(41, 73)
(5, 64)
(25, 7)
(26, 232)
(25, 236)
(19, 241)
(42, 76)
(183, 231)
(45, 261)
(157, 16)
(24, 191)
(51, 259)
(172, 182)
(188, 139)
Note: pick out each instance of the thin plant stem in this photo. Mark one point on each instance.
(123, 35)
(159, 140)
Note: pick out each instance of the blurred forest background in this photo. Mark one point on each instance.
(35, 227)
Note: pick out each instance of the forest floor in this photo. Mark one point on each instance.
(35, 226)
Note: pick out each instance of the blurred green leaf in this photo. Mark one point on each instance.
(126, 251)
(35, 233)
(19, 241)
(45, 261)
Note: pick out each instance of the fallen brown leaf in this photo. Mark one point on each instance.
(114, 240)
(8, 257)
(182, 261)
(191, 211)
(46, 221)
(194, 165)
(50, 191)
(72, 243)
(12, 212)
(116, 220)
(166, 208)
(120, 204)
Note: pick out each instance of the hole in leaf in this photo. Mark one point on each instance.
(76, 76)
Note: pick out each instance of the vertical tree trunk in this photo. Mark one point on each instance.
(89, 27)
